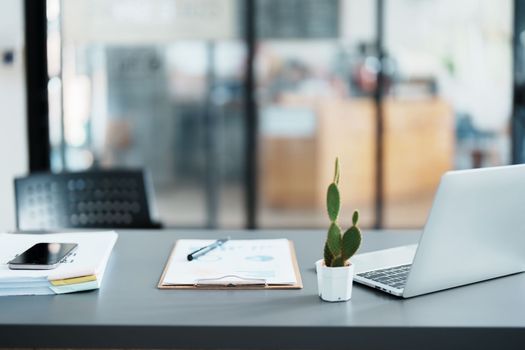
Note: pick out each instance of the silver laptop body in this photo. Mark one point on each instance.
(475, 231)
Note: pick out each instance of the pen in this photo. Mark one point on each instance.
(206, 249)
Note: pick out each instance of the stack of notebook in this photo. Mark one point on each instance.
(83, 269)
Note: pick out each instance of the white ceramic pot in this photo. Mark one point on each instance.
(334, 283)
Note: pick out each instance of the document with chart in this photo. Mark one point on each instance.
(254, 263)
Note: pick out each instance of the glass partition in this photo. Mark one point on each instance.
(315, 62)
(449, 102)
(154, 84)
(160, 84)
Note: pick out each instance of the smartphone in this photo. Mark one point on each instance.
(42, 256)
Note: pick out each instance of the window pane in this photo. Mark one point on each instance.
(157, 84)
(315, 104)
(449, 97)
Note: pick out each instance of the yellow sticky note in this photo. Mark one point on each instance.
(74, 280)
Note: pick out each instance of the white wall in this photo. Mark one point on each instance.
(13, 140)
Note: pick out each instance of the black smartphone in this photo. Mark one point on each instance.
(42, 256)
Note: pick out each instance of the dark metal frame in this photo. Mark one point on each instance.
(379, 127)
(251, 118)
(518, 101)
(35, 34)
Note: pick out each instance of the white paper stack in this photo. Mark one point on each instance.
(83, 269)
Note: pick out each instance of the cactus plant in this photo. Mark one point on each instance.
(339, 248)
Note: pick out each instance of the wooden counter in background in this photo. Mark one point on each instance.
(419, 147)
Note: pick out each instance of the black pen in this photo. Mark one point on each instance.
(206, 249)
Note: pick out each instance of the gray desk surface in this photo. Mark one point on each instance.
(129, 311)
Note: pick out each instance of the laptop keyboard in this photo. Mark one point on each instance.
(393, 276)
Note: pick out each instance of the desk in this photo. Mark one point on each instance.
(129, 311)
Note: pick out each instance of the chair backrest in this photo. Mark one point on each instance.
(90, 199)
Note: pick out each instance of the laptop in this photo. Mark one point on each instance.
(475, 231)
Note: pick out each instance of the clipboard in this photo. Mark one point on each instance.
(242, 284)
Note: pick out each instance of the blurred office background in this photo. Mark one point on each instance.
(239, 108)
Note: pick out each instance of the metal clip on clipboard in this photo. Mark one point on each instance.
(220, 282)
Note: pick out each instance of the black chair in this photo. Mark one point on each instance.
(91, 199)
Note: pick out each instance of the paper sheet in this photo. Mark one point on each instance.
(267, 259)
